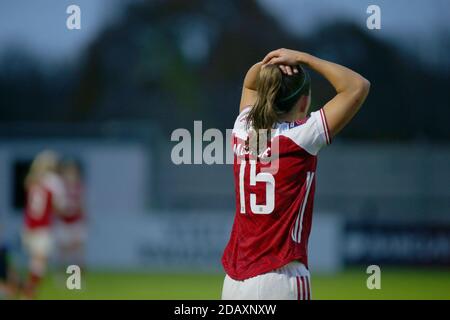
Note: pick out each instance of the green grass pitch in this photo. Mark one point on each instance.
(396, 283)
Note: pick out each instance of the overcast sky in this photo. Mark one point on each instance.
(399, 17)
(40, 26)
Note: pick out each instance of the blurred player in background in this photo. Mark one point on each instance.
(5, 288)
(44, 197)
(266, 256)
(9, 281)
(71, 227)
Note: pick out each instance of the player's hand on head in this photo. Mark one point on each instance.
(284, 57)
(288, 70)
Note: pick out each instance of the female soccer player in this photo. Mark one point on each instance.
(45, 197)
(71, 229)
(266, 256)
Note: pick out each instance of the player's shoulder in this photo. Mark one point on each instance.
(52, 182)
(242, 116)
(309, 133)
(240, 124)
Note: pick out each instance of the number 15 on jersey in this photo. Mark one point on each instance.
(264, 177)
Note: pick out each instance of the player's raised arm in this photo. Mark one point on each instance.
(351, 88)
(249, 94)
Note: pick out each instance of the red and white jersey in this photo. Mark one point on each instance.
(41, 200)
(73, 211)
(274, 200)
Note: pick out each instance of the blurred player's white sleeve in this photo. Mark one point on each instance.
(56, 187)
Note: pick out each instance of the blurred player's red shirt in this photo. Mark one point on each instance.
(274, 201)
(40, 201)
(74, 202)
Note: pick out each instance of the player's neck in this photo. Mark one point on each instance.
(294, 115)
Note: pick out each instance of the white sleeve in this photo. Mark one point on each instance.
(312, 135)
(240, 125)
(56, 186)
(323, 136)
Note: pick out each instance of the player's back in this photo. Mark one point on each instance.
(274, 195)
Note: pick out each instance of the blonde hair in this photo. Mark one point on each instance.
(276, 95)
(45, 162)
(263, 114)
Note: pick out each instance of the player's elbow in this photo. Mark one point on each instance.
(365, 85)
(361, 88)
(357, 93)
(357, 85)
